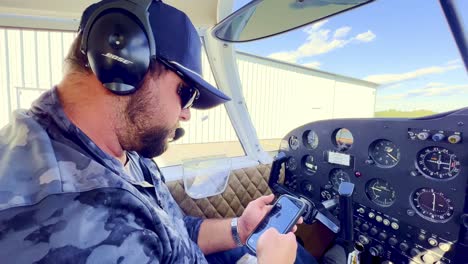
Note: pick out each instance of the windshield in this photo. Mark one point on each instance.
(384, 59)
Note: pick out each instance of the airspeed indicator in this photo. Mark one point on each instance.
(380, 192)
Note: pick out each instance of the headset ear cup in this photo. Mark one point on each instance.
(118, 52)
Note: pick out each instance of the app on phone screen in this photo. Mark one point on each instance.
(280, 217)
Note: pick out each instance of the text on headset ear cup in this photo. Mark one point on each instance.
(118, 52)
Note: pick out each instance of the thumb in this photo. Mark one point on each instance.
(268, 208)
(266, 199)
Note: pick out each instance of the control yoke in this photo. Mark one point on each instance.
(316, 210)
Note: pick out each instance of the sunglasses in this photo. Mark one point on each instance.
(188, 94)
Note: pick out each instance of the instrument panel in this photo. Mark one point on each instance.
(410, 176)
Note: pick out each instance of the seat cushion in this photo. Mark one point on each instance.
(244, 186)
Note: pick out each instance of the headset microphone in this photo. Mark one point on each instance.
(179, 132)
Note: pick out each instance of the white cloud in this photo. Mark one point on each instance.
(440, 90)
(394, 86)
(455, 61)
(320, 41)
(288, 56)
(429, 90)
(434, 84)
(366, 36)
(312, 64)
(317, 25)
(400, 77)
(394, 96)
(342, 32)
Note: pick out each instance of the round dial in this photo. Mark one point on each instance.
(294, 142)
(337, 176)
(309, 164)
(311, 139)
(432, 205)
(384, 153)
(438, 163)
(291, 164)
(380, 192)
(344, 139)
(307, 187)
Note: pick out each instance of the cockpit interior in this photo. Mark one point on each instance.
(390, 189)
(409, 199)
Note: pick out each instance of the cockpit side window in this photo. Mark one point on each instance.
(31, 62)
(209, 133)
(379, 60)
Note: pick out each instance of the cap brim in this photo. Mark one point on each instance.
(210, 96)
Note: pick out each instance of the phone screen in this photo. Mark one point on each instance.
(282, 216)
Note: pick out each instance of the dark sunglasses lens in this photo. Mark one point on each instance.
(188, 96)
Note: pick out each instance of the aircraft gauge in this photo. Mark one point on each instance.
(294, 142)
(432, 205)
(438, 163)
(343, 139)
(384, 153)
(380, 192)
(310, 139)
(291, 164)
(309, 164)
(337, 176)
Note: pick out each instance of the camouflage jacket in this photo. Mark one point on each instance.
(63, 200)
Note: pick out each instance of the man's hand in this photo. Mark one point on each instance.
(254, 213)
(276, 248)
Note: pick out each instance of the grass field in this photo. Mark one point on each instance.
(405, 114)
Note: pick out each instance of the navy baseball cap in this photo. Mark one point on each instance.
(177, 44)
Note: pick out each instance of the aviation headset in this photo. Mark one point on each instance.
(118, 42)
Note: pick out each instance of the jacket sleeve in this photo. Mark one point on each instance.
(193, 226)
(93, 227)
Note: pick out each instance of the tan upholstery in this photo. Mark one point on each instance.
(244, 186)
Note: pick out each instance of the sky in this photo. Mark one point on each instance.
(403, 45)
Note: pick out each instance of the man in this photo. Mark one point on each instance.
(77, 183)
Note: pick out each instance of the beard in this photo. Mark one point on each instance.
(143, 137)
(153, 142)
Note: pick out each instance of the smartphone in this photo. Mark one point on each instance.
(283, 216)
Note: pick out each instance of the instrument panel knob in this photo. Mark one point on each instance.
(438, 137)
(376, 251)
(414, 252)
(363, 239)
(454, 139)
(432, 241)
(445, 247)
(392, 241)
(428, 258)
(364, 227)
(382, 236)
(422, 135)
(403, 246)
(357, 222)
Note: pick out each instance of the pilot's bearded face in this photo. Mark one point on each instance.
(147, 128)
